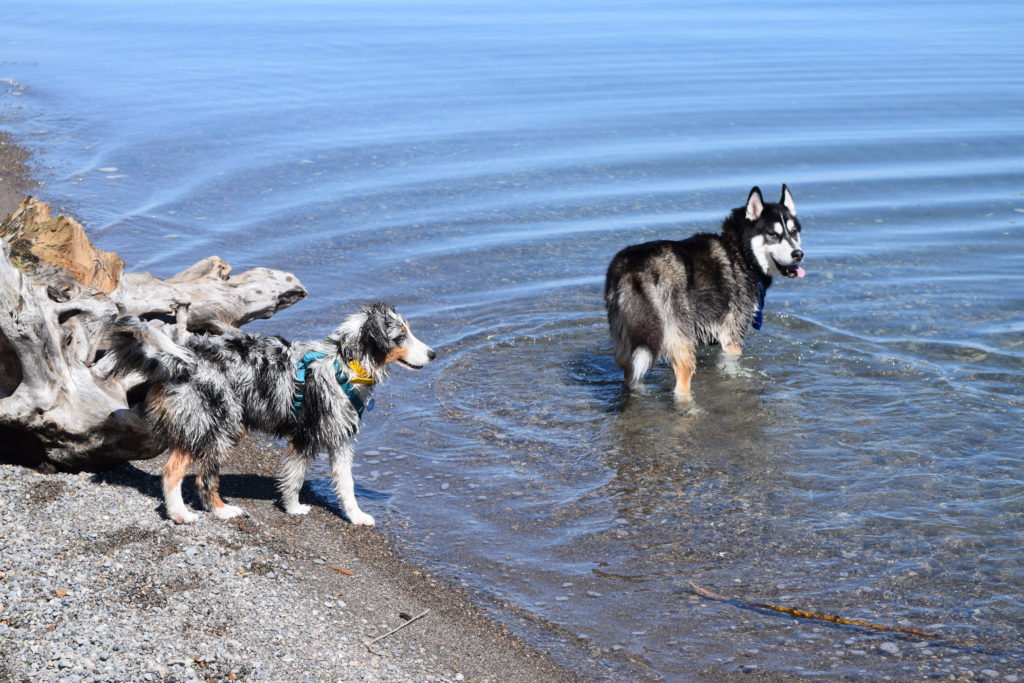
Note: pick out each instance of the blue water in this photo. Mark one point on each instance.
(478, 164)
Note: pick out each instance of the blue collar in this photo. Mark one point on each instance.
(300, 380)
(759, 313)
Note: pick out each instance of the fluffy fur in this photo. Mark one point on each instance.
(205, 393)
(667, 297)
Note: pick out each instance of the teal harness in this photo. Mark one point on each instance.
(300, 380)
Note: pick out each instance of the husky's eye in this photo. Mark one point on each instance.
(400, 339)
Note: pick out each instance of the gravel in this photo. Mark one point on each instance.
(97, 585)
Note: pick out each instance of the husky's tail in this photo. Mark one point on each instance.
(136, 346)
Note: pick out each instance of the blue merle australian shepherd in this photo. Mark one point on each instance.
(206, 392)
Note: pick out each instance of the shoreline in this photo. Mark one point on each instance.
(15, 175)
(96, 584)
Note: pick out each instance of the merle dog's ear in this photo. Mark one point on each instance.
(755, 204)
(374, 334)
(787, 199)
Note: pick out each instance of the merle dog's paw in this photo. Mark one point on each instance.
(183, 517)
(360, 518)
(228, 511)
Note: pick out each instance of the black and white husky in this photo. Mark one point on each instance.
(665, 298)
(206, 392)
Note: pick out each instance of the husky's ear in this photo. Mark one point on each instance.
(755, 204)
(787, 200)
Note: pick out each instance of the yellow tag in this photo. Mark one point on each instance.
(362, 376)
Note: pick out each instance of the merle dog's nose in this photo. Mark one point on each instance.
(798, 255)
(431, 354)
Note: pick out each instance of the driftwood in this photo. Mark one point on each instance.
(57, 295)
(398, 628)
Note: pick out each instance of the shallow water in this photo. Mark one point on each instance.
(478, 165)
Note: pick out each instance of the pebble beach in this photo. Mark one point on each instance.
(97, 585)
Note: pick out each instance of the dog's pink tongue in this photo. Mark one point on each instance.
(800, 272)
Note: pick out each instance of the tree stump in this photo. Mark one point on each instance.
(58, 294)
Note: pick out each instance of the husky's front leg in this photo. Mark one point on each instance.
(345, 487)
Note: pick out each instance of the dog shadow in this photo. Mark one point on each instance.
(322, 489)
(234, 488)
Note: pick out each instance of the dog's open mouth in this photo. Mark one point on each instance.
(793, 270)
(409, 365)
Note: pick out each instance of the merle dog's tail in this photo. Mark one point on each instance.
(136, 346)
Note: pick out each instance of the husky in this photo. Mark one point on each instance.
(204, 393)
(665, 298)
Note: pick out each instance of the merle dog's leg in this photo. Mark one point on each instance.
(293, 476)
(344, 485)
(174, 471)
(208, 483)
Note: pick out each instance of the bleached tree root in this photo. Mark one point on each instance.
(57, 296)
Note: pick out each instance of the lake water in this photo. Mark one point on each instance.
(478, 164)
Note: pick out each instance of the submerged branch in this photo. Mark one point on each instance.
(842, 621)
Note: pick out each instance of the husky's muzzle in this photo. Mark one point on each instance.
(793, 269)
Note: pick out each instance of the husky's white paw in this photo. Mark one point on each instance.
(182, 516)
(298, 509)
(360, 518)
(730, 366)
(228, 511)
(640, 389)
(690, 409)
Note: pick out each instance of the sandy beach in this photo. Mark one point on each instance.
(97, 585)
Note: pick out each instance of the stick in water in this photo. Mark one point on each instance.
(801, 614)
(398, 628)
